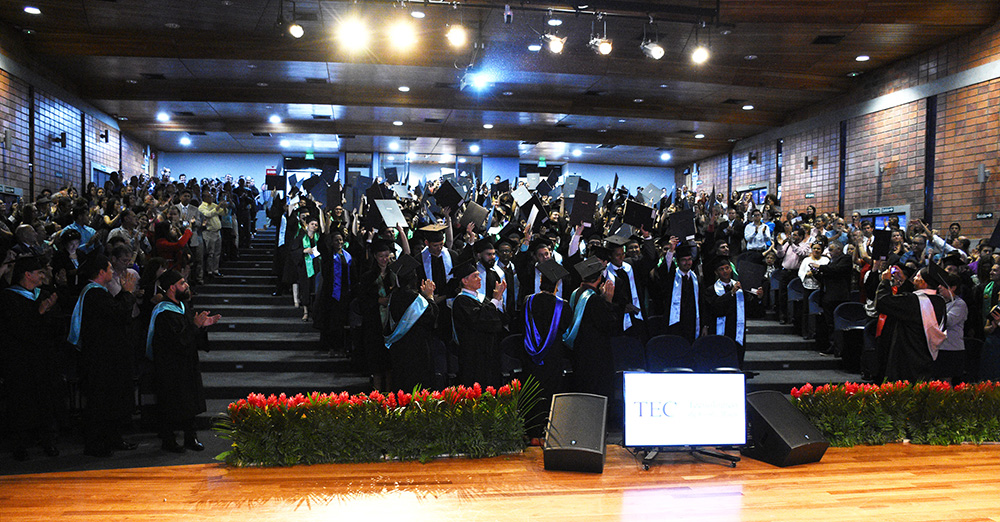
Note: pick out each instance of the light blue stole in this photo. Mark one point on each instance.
(578, 300)
(31, 295)
(675, 301)
(76, 319)
(168, 306)
(741, 319)
(410, 317)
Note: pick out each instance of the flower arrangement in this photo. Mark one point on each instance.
(925, 412)
(327, 428)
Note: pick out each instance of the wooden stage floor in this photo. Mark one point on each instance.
(898, 482)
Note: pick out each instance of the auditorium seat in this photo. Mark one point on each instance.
(656, 325)
(669, 353)
(849, 320)
(796, 302)
(716, 353)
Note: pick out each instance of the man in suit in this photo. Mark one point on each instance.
(835, 277)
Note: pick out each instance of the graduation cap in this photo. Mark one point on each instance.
(390, 213)
(25, 264)
(615, 241)
(682, 250)
(552, 271)
(508, 229)
(995, 238)
(475, 214)
(751, 274)
(584, 207)
(465, 264)
(953, 259)
(391, 174)
(601, 253)
(638, 215)
(881, 244)
(404, 266)
(310, 183)
(715, 263)
(483, 245)
(588, 268)
(937, 275)
(682, 224)
(448, 195)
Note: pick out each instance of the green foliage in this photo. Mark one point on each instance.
(925, 412)
(325, 428)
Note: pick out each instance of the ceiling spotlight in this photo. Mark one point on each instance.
(457, 35)
(296, 30)
(699, 136)
(474, 148)
(353, 34)
(403, 35)
(403, 88)
(700, 55)
(862, 58)
(554, 43)
(185, 141)
(32, 10)
(487, 126)
(162, 117)
(665, 156)
(461, 160)
(653, 50)
(601, 46)
(417, 11)
(274, 119)
(748, 107)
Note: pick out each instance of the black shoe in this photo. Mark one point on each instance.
(192, 443)
(124, 445)
(97, 452)
(21, 454)
(50, 450)
(171, 446)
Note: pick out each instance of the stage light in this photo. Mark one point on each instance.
(457, 35)
(274, 119)
(403, 35)
(163, 117)
(296, 30)
(353, 34)
(185, 141)
(653, 50)
(601, 46)
(554, 43)
(700, 55)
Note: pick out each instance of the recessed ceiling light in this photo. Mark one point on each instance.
(487, 125)
(602, 130)
(665, 156)
(393, 145)
(122, 118)
(577, 153)
(419, 15)
(172, 25)
(508, 93)
(474, 148)
(403, 88)
(862, 58)
(535, 47)
(390, 158)
(132, 82)
(185, 141)
(162, 117)
(853, 74)
(274, 119)
(638, 100)
(285, 143)
(748, 107)
(621, 121)
(750, 57)
(699, 136)
(663, 86)
(261, 84)
(32, 10)
(251, 66)
(461, 160)
(397, 123)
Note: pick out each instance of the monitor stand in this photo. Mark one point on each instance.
(695, 451)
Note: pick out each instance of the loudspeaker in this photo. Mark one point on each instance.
(574, 437)
(780, 433)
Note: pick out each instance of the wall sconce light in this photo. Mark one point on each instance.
(752, 157)
(810, 163)
(6, 138)
(982, 175)
(879, 168)
(60, 139)
(104, 136)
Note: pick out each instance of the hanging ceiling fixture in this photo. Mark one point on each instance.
(600, 42)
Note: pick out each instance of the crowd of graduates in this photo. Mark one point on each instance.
(85, 278)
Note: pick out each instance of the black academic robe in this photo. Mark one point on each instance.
(478, 328)
(331, 314)
(548, 372)
(411, 355)
(907, 356)
(715, 306)
(106, 354)
(180, 395)
(662, 285)
(370, 287)
(593, 363)
(27, 362)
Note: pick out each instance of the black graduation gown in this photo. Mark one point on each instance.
(411, 355)
(27, 362)
(593, 363)
(180, 395)
(549, 373)
(478, 327)
(331, 314)
(662, 280)
(106, 354)
(907, 357)
(715, 306)
(376, 357)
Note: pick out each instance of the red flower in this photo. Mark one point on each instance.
(491, 390)
(504, 390)
(796, 393)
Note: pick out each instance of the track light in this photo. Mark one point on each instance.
(600, 46)
(653, 50)
(403, 35)
(554, 43)
(296, 30)
(700, 54)
(353, 34)
(457, 35)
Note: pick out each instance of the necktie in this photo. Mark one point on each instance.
(437, 271)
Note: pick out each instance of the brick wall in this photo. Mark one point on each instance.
(713, 172)
(762, 170)
(822, 146)
(56, 165)
(14, 118)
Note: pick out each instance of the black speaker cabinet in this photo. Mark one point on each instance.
(780, 433)
(574, 438)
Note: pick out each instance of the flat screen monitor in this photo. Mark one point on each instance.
(684, 409)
